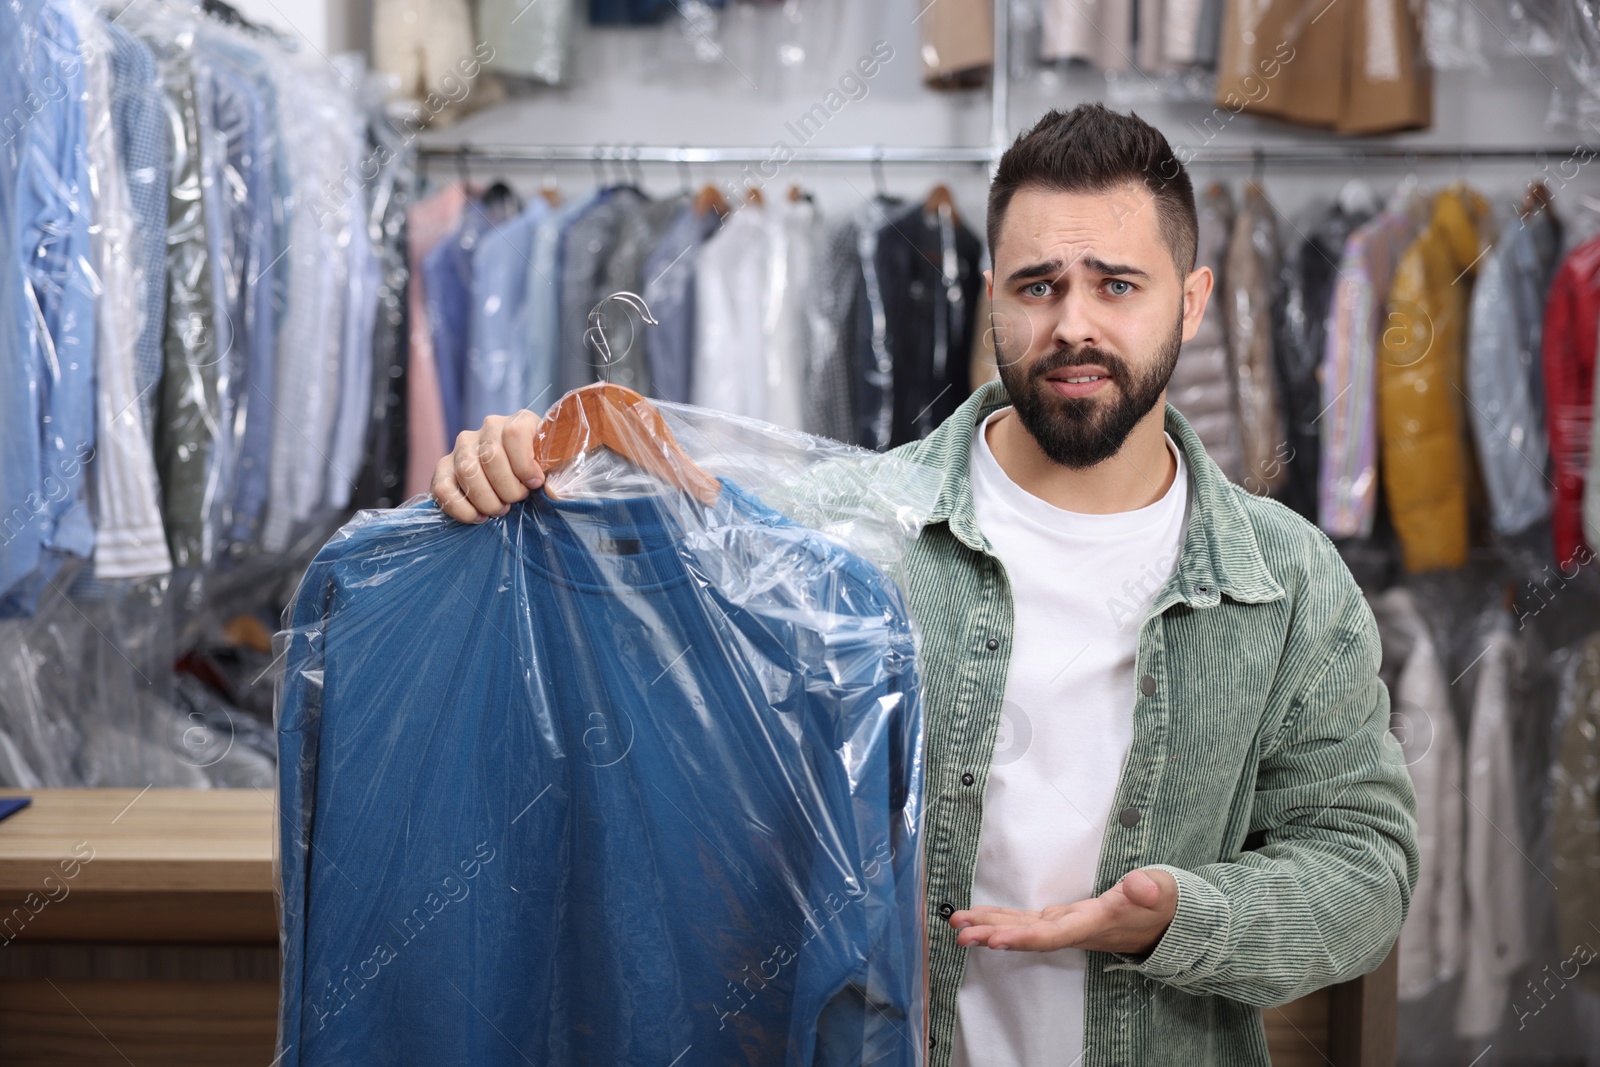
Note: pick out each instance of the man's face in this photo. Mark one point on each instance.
(1089, 314)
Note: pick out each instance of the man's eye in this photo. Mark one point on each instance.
(1127, 287)
(1038, 289)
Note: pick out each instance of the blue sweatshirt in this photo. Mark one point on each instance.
(599, 782)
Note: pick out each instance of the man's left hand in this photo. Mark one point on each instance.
(1129, 918)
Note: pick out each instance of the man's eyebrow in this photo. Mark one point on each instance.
(1054, 268)
(1094, 263)
(1050, 268)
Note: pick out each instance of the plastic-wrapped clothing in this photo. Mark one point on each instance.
(189, 408)
(428, 222)
(531, 38)
(1306, 280)
(734, 317)
(47, 327)
(957, 43)
(830, 320)
(1426, 465)
(1571, 310)
(449, 278)
(1203, 385)
(688, 769)
(926, 266)
(1504, 386)
(670, 290)
(1354, 68)
(794, 232)
(1098, 31)
(1413, 668)
(641, 230)
(493, 379)
(260, 174)
(1496, 934)
(1574, 100)
(874, 362)
(1469, 34)
(427, 46)
(363, 275)
(1247, 297)
(637, 12)
(1349, 481)
(1188, 32)
(382, 479)
(128, 538)
(321, 229)
(585, 248)
(140, 118)
(1575, 785)
(544, 308)
(1591, 489)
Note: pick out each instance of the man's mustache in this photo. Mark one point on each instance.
(1062, 358)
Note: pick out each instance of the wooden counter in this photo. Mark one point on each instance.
(138, 926)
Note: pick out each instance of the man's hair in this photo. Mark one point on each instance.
(1093, 149)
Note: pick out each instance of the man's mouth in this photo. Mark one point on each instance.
(1082, 380)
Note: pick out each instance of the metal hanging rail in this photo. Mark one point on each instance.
(612, 153)
(1293, 155)
(1357, 153)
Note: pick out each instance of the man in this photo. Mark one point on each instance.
(1195, 808)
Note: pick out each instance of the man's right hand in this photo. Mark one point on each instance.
(489, 469)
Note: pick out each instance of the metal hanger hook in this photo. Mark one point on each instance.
(595, 335)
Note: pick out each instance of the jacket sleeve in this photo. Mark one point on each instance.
(1321, 896)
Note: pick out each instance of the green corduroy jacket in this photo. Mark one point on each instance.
(1262, 774)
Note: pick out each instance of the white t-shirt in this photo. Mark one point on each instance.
(1081, 585)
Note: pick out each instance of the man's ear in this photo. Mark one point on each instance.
(1196, 293)
(988, 284)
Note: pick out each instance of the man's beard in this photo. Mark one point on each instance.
(1081, 431)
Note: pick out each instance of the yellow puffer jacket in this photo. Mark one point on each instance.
(1426, 465)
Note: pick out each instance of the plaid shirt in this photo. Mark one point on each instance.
(1262, 774)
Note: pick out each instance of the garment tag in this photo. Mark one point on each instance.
(619, 546)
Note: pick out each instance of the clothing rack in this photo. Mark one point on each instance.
(1352, 154)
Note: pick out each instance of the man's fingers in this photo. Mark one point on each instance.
(496, 465)
(989, 915)
(975, 935)
(448, 495)
(1065, 932)
(517, 438)
(1141, 889)
(470, 476)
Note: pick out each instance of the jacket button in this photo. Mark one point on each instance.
(947, 910)
(933, 1042)
(1147, 685)
(967, 779)
(992, 644)
(1128, 817)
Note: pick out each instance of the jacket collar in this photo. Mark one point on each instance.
(1220, 551)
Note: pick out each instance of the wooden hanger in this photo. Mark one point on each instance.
(938, 197)
(711, 199)
(796, 194)
(752, 195)
(605, 415)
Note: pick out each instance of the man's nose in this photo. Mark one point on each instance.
(1074, 324)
